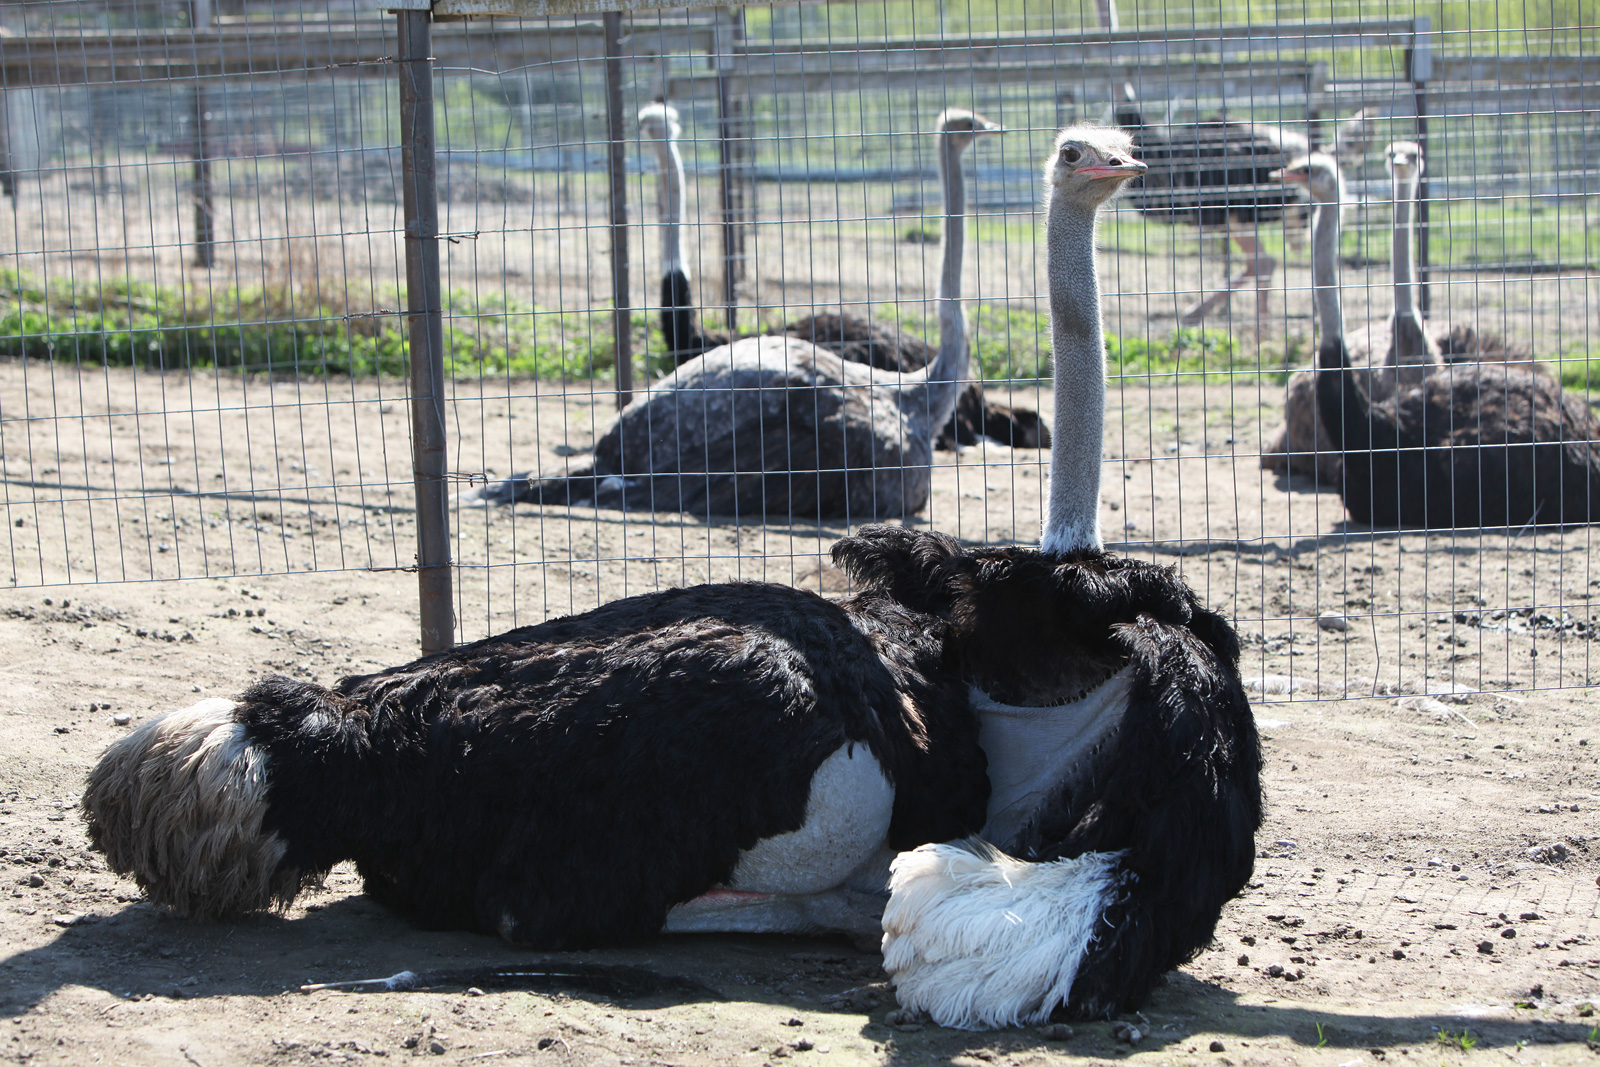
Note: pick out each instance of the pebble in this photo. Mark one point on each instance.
(36, 881)
(436, 1048)
(1057, 1032)
(122, 718)
(1550, 852)
(1330, 621)
(1217, 1046)
(1126, 1033)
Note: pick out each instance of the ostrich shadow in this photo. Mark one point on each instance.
(1185, 1010)
(140, 951)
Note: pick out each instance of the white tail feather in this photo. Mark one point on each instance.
(978, 939)
(179, 803)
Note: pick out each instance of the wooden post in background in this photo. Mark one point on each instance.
(616, 134)
(204, 211)
(425, 329)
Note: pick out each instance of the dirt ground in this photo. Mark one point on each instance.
(1428, 868)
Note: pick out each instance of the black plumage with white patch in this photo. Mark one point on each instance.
(1176, 789)
(565, 784)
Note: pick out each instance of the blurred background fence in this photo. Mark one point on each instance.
(208, 360)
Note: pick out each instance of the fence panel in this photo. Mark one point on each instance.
(205, 269)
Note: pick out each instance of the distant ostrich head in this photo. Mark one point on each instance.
(1090, 164)
(659, 121)
(1319, 173)
(961, 127)
(1404, 160)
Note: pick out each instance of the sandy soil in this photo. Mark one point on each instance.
(1429, 863)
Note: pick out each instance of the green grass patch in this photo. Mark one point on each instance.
(269, 330)
(1014, 343)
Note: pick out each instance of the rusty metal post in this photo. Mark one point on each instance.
(1420, 68)
(616, 133)
(730, 180)
(425, 325)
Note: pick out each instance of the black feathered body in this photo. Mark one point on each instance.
(1207, 173)
(1476, 444)
(766, 426)
(1178, 787)
(680, 325)
(566, 784)
(859, 340)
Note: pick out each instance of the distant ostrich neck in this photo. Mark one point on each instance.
(952, 248)
(1325, 271)
(1406, 185)
(672, 206)
(1078, 352)
(951, 364)
(1410, 346)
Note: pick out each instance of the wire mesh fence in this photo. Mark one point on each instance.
(204, 273)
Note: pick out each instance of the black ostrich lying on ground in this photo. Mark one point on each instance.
(751, 757)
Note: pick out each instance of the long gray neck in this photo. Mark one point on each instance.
(1411, 353)
(1325, 272)
(939, 380)
(1078, 348)
(1405, 195)
(672, 206)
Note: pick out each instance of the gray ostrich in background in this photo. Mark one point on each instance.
(781, 427)
(851, 337)
(1476, 444)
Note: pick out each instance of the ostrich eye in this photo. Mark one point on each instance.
(1070, 155)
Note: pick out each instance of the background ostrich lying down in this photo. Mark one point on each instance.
(1405, 348)
(751, 757)
(852, 338)
(1475, 444)
(778, 426)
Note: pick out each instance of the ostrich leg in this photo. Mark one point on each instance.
(1258, 267)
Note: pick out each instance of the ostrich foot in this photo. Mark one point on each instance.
(1211, 305)
(1259, 270)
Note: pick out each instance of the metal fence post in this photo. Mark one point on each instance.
(425, 324)
(621, 323)
(730, 183)
(204, 211)
(1420, 64)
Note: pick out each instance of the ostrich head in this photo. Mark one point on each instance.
(961, 127)
(1090, 164)
(1318, 173)
(659, 121)
(1403, 160)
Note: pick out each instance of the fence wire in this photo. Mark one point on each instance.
(202, 271)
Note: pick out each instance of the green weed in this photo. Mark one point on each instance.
(1463, 1041)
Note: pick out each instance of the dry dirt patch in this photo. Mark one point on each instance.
(1428, 865)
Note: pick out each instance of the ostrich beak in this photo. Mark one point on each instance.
(1127, 168)
(1296, 177)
